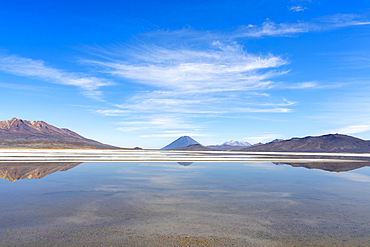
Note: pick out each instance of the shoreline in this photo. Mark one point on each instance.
(83, 155)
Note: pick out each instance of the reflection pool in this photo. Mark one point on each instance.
(182, 204)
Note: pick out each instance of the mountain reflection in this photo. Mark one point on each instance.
(328, 166)
(185, 163)
(14, 171)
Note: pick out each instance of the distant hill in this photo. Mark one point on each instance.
(195, 147)
(335, 143)
(20, 133)
(230, 145)
(182, 141)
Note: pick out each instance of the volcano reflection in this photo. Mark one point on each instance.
(185, 163)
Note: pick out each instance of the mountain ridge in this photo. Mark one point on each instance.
(230, 145)
(21, 131)
(334, 143)
(236, 143)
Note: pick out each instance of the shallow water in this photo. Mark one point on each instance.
(164, 203)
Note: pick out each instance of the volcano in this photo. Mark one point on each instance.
(183, 141)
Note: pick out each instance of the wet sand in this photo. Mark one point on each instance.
(116, 236)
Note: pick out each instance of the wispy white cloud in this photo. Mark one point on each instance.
(217, 68)
(357, 177)
(303, 85)
(298, 8)
(213, 80)
(21, 87)
(168, 101)
(158, 122)
(263, 165)
(213, 62)
(284, 103)
(270, 28)
(195, 105)
(346, 113)
(262, 110)
(267, 28)
(353, 129)
(20, 66)
(341, 20)
(112, 112)
(193, 73)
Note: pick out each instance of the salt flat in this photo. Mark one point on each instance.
(98, 155)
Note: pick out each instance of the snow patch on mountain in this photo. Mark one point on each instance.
(237, 143)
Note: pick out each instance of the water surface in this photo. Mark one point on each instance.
(166, 203)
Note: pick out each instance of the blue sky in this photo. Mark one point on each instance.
(146, 72)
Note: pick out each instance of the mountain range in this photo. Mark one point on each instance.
(236, 143)
(230, 145)
(186, 143)
(18, 133)
(334, 143)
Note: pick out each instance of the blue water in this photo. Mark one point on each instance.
(256, 204)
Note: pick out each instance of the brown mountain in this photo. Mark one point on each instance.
(38, 134)
(333, 143)
(14, 171)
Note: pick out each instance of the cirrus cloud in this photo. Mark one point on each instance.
(218, 68)
(26, 67)
(353, 129)
(297, 8)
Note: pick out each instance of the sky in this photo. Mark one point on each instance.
(143, 73)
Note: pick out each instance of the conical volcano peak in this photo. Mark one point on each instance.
(182, 141)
